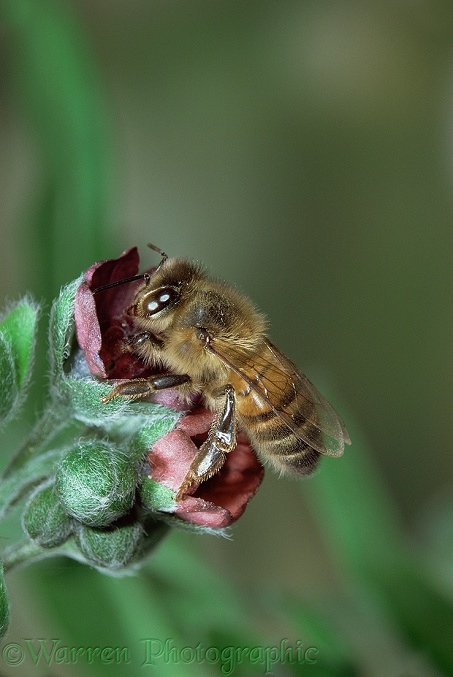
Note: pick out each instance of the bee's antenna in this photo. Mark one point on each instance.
(159, 251)
(143, 276)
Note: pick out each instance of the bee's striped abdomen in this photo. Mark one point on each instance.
(285, 444)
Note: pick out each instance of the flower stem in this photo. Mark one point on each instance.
(22, 552)
(26, 552)
(44, 430)
(23, 479)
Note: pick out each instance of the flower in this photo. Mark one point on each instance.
(101, 323)
(102, 327)
(219, 501)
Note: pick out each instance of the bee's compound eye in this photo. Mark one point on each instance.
(159, 299)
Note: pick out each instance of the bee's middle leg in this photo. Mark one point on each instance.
(220, 441)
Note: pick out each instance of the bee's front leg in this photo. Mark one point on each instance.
(138, 388)
(144, 339)
(220, 441)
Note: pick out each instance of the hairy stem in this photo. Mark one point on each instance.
(21, 552)
(44, 430)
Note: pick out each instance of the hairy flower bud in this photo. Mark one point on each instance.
(123, 543)
(44, 518)
(10, 390)
(113, 547)
(17, 341)
(96, 483)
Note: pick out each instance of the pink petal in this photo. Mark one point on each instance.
(203, 513)
(173, 400)
(222, 499)
(196, 422)
(92, 314)
(88, 330)
(112, 303)
(171, 457)
(237, 481)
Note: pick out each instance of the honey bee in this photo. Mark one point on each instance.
(209, 339)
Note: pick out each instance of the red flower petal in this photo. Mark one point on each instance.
(171, 457)
(102, 325)
(237, 481)
(88, 330)
(222, 499)
(195, 423)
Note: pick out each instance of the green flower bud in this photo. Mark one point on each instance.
(96, 483)
(10, 391)
(45, 519)
(61, 327)
(17, 341)
(19, 329)
(111, 548)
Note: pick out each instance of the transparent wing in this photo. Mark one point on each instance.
(326, 419)
(272, 375)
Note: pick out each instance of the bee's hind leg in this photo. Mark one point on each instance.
(220, 441)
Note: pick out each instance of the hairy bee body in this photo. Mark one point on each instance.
(213, 340)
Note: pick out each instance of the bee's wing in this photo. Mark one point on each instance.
(257, 373)
(326, 418)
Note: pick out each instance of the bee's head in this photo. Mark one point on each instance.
(163, 290)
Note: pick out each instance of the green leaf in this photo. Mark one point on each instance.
(423, 613)
(26, 551)
(155, 497)
(354, 512)
(55, 73)
(157, 421)
(4, 605)
(61, 329)
(83, 397)
(333, 649)
(361, 527)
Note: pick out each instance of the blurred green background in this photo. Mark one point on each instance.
(304, 151)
